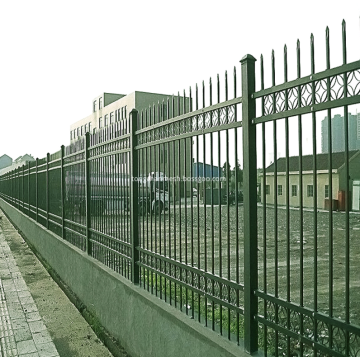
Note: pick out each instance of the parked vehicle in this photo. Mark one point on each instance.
(111, 192)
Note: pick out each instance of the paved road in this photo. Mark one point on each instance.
(37, 319)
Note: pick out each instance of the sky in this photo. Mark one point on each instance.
(59, 55)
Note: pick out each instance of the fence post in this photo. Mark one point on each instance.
(37, 190)
(134, 192)
(62, 191)
(47, 189)
(29, 210)
(250, 204)
(18, 186)
(23, 188)
(87, 194)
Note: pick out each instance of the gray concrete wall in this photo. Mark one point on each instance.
(143, 324)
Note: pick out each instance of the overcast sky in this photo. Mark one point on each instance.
(56, 56)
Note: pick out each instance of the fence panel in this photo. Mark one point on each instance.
(191, 246)
(307, 291)
(257, 254)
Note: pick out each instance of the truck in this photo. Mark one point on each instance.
(110, 192)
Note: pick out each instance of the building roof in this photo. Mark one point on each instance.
(25, 157)
(322, 162)
(5, 156)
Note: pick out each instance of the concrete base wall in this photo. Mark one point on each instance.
(143, 324)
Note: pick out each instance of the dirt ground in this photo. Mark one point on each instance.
(71, 334)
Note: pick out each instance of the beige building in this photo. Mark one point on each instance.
(108, 109)
(322, 178)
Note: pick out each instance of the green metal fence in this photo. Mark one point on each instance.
(161, 198)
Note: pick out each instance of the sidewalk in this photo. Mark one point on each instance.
(36, 317)
(22, 330)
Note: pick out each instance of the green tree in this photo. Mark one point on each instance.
(226, 171)
(237, 173)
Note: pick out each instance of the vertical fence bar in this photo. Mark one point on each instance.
(22, 188)
(250, 203)
(37, 190)
(18, 186)
(301, 198)
(28, 197)
(62, 189)
(315, 191)
(87, 194)
(347, 196)
(330, 196)
(134, 227)
(47, 189)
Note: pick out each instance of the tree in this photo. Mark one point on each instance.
(226, 171)
(237, 173)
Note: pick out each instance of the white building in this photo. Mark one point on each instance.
(110, 108)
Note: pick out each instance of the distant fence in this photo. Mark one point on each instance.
(280, 280)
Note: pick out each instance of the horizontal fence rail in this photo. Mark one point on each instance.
(190, 200)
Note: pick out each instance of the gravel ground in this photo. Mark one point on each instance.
(211, 238)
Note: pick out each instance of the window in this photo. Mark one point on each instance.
(125, 112)
(100, 123)
(279, 190)
(78, 131)
(89, 127)
(100, 103)
(327, 191)
(106, 120)
(82, 130)
(94, 106)
(310, 190)
(267, 189)
(293, 190)
(111, 118)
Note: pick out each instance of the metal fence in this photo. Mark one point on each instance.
(231, 251)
